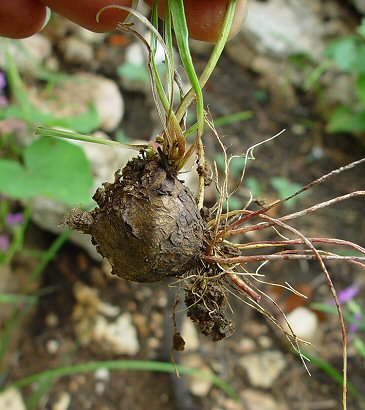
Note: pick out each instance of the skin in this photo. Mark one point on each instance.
(23, 18)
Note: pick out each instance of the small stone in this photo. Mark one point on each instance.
(153, 343)
(263, 368)
(102, 374)
(257, 400)
(246, 345)
(73, 95)
(198, 386)
(63, 401)
(265, 342)
(52, 346)
(304, 324)
(100, 388)
(76, 51)
(52, 320)
(119, 337)
(190, 335)
(11, 399)
(29, 53)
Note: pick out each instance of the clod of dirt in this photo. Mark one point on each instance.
(147, 224)
(206, 303)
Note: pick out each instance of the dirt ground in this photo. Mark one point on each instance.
(291, 156)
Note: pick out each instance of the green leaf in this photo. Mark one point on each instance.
(343, 53)
(349, 54)
(361, 29)
(359, 346)
(253, 186)
(133, 72)
(343, 119)
(130, 365)
(53, 168)
(285, 188)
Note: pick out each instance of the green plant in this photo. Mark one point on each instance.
(347, 54)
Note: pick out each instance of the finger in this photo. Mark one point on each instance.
(21, 18)
(205, 17)
(83, 12)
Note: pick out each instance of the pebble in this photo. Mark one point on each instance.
(29, 53)
(300, 29)
(264, 341)
(100, 388)
(246, 345)
(52, 320)
(76, 51)
(72, 96)
(11, 399)
(257, 400)
(190, 334)
(102, 374)
(198, 386)
(52, 346)
(263, 368)
(304, 324)
(108, 101)
(63, 401)
(119, 337)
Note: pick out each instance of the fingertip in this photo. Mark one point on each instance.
(21, 18)
(205, 17)
(97, 15)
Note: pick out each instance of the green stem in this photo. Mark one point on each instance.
(49, 132)
(182, 38)
(217, 51)
(125, 365)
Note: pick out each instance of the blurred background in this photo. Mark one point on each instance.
(295, 65)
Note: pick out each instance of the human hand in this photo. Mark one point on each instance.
(23, 18)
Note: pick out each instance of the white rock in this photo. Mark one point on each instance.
(284, 27)
(63, 401)
(11, 399)
(73, 95)
(198, 386)
(257, 400)
(52, 346)
(28, 53)
(304, 324)
(102, 374)
(108, 101)
(190, 335)
(263, 368)
(76, 50)
(119, 336)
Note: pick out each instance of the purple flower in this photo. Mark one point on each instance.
(2, 81)
(15, 219)
(354, 327)
(4, 243)
(347, 294)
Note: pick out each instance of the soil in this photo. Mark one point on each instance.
(294, 156)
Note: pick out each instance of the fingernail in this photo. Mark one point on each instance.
(47, 17)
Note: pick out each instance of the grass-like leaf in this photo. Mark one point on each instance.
(129, 365)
